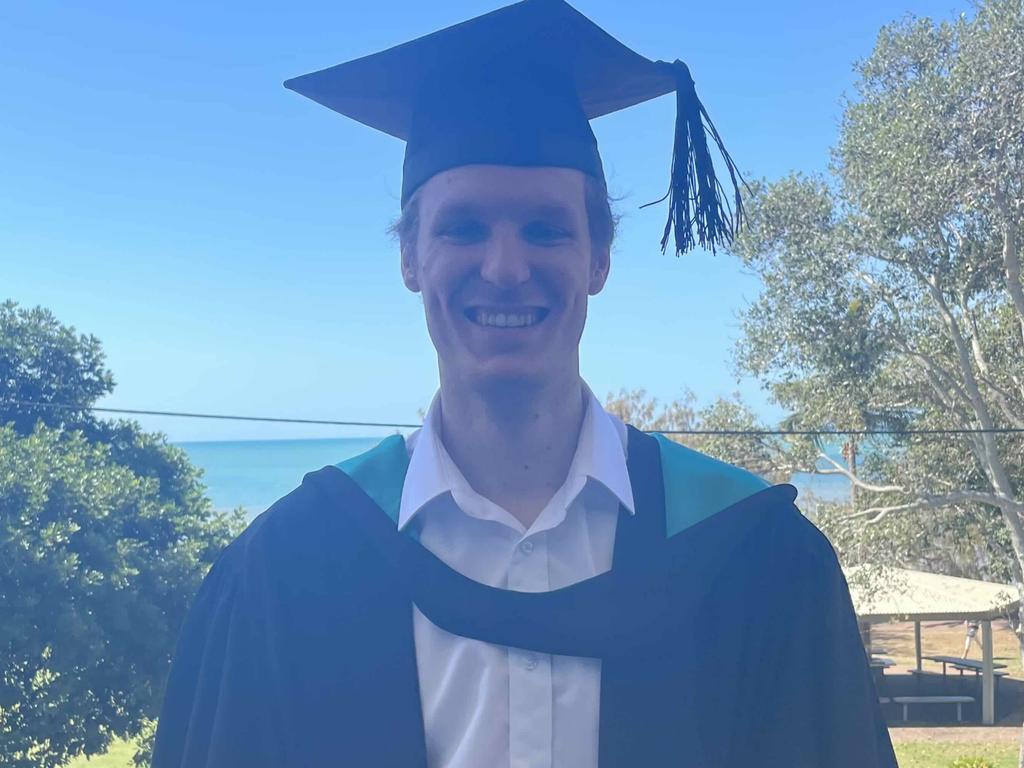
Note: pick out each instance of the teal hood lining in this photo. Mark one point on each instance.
(696, 486)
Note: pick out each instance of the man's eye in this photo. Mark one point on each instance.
(542, 232)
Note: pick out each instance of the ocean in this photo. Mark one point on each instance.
(255, 473)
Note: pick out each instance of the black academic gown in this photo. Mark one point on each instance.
(732, 644)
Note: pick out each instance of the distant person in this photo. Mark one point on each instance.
(517, 583)
(972, 637)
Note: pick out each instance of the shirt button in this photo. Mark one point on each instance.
(531, 663)
(526, 547)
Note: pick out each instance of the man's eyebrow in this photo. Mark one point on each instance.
(458, 209)
(555, 211)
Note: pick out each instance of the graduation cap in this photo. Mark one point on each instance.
(518, 86)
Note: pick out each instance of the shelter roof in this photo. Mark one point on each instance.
(881, 594)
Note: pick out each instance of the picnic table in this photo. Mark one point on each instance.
(878, 666)
(963, 664)
(970, 665)
(977, 667)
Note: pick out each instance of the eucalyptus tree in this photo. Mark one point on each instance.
(893, 296)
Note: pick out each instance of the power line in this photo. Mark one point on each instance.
(826, 432)
(222, 416)
(340, 423)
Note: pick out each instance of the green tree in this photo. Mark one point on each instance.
(893, 298)
(646, 413)
(104, 537)
(732, 432)
(44, 362)
(727, 429)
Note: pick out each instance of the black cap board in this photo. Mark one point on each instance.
(518, 86)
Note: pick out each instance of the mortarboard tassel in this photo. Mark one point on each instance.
(699, 209)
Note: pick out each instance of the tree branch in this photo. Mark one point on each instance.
(1008, 506)
(993, 461)
(979, 355)
(941, 376)
(1011, 258)
(998, 394)
(1002, 399)
(839, 469)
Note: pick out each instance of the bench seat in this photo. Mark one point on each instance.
(905, 701)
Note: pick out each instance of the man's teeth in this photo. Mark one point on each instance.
(505, 319)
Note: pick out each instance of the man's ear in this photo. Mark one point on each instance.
(409, 271)
(600, 264)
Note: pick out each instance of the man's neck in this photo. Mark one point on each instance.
(514, 446)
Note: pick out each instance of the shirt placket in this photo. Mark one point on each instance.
(530, 689)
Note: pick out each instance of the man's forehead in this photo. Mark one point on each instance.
(477, 189)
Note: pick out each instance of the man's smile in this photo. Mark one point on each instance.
(506, 317)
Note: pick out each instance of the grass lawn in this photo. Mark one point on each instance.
(911, 754)
(940, 754)
(118, 756)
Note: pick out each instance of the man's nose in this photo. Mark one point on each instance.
(506, 260)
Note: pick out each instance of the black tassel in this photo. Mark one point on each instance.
(699, 209)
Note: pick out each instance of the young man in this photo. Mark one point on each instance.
(970, 637)
(516, 583)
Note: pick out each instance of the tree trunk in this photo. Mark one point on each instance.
(1020, 641)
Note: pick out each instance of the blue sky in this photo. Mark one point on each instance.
(226, 238)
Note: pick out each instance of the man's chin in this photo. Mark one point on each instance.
(510, 378)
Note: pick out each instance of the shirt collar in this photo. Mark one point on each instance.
(600, 455)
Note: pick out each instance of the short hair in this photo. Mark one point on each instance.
(602, 222)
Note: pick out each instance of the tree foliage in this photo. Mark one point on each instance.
(42, 361)
(104, 537)
(726, 429)
(893, 296)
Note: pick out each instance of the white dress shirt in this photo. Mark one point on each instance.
(488, 705)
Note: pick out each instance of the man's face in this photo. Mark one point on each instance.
(504, 262)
